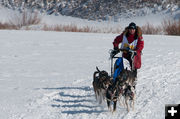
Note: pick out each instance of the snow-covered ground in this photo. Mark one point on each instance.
(48, 75)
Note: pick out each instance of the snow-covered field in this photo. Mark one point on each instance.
(48, 75)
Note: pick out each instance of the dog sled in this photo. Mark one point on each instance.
(119, 85)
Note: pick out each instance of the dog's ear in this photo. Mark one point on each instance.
(97, 69)
(105, 74)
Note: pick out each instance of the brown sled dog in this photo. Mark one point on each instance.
(101, 81)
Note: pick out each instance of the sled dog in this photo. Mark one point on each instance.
(101, 82)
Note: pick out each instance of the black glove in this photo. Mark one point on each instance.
(116, 48)
(132, 51)
(135, 53)
(114, 52)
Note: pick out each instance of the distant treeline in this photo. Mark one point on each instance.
(26, 20)
(94, 9)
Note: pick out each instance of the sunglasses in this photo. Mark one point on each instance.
(132, 27)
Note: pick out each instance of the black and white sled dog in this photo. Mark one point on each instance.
(101, 81)
(112, 94)
(123, 88)
(127, 82)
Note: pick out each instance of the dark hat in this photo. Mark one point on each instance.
(132, 25)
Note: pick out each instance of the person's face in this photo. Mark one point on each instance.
(132, 31)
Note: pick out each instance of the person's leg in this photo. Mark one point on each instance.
(128, 57)
(135, 73)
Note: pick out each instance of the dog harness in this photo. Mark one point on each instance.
(125, 44)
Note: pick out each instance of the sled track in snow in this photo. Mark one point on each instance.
(152, 90)
(74, 100)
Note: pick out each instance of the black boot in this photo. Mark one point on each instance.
(135, 73)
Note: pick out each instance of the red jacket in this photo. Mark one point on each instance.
(130, 38)
(139, 47)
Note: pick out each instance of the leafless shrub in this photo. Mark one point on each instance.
(151, 29)
(68, 28)
(25, 19)
(74, 28)
(171, 27)
(7, 26)
(117, 30)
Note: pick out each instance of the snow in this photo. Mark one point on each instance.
(48, 75)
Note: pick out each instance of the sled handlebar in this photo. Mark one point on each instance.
(112, 56)
(122, 50)
(126, 50)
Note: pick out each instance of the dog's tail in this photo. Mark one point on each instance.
(96, 72)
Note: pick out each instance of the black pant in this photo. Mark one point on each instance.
(130, 62)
